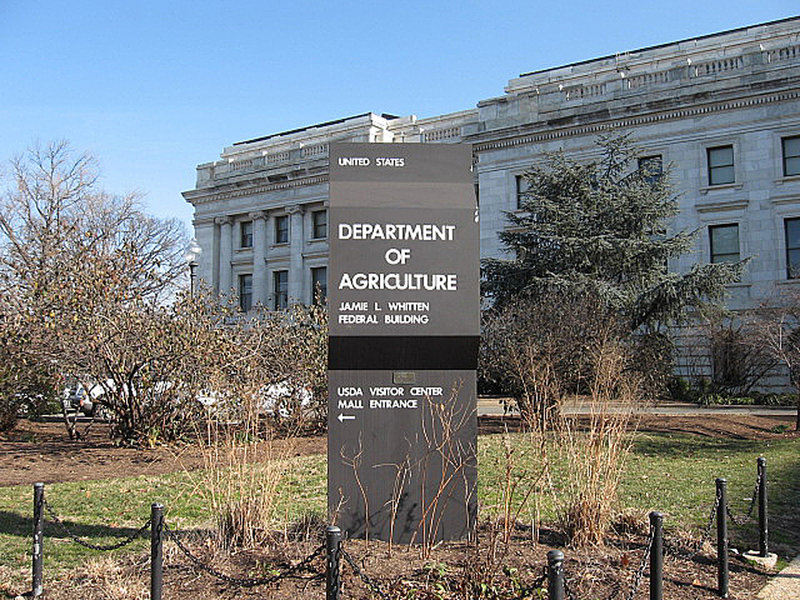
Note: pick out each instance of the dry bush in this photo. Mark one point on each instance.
(244, 464)
(536, 350)
(449, 460)
(240, 482)
(595, 457)
(571, 346)
(739, 357)
(774, 330)
(243, 470)
(521, 476)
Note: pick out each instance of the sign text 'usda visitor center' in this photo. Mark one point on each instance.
(403, 293)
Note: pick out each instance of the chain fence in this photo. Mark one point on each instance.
(247, 582)
(637, 578)
(368, 581)
(748, 515)
(678, 551)
(616, 587)
(159, 531)
(99, 547)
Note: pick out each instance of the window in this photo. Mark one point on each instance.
(280, 280)
(246, 234)
(651, 168)
(791, 156)
(319, 283)
(523, 186)
(282, 229)
(319, 221)
(720, 165)
(724, 243)
(792, 227)
(245, 292)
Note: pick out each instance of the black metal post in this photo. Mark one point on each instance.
(722, 538)
(763, 525)
(657, 556)
(156, 548)
(38, 539)
(192, 268)
(555, 575)
(333, 539)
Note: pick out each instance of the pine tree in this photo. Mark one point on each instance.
(600, 228)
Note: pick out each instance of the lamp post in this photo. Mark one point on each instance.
(191, 256)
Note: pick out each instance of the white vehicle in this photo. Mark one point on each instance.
(283, 397)
(77, 398)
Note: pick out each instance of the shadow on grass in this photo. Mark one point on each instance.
(16, 525)
(688, 444)
(783, 474)
(783, 499)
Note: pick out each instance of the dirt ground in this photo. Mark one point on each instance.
(34, 452)
(491, 569)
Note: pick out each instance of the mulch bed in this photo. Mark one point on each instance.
(455, 570)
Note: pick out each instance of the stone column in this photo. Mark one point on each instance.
(259, 257)
(225, 250)
(205, 235)
(296, 240)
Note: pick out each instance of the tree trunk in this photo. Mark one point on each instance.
(797, 416)
(72, 429)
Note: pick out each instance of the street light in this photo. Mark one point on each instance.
(192, 254)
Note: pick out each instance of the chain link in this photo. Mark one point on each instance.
(245, 581)
(368, 581)
(679, 552)
(747, 515)
(103, 548)
(637, 578)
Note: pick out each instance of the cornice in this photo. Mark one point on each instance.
(212, 194)
(508, 138)
(202, 221)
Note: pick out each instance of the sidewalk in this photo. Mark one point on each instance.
(494, 407)
(785, 585)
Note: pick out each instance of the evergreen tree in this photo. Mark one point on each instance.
(600, 228)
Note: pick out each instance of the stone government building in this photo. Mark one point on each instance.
(722, 109)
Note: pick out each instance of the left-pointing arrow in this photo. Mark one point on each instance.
(343, 418)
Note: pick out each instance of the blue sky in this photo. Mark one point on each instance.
(152, 88)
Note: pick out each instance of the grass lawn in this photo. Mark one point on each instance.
(671, 473)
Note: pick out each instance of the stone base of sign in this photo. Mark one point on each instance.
(769, 561)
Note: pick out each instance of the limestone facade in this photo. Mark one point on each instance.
(723, 110)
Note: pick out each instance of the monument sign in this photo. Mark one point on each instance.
(403, 293)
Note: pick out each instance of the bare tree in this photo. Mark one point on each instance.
(56, 224)
(74, 260)
(775, 329)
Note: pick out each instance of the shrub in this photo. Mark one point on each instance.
(596, 457)
(537, 351)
